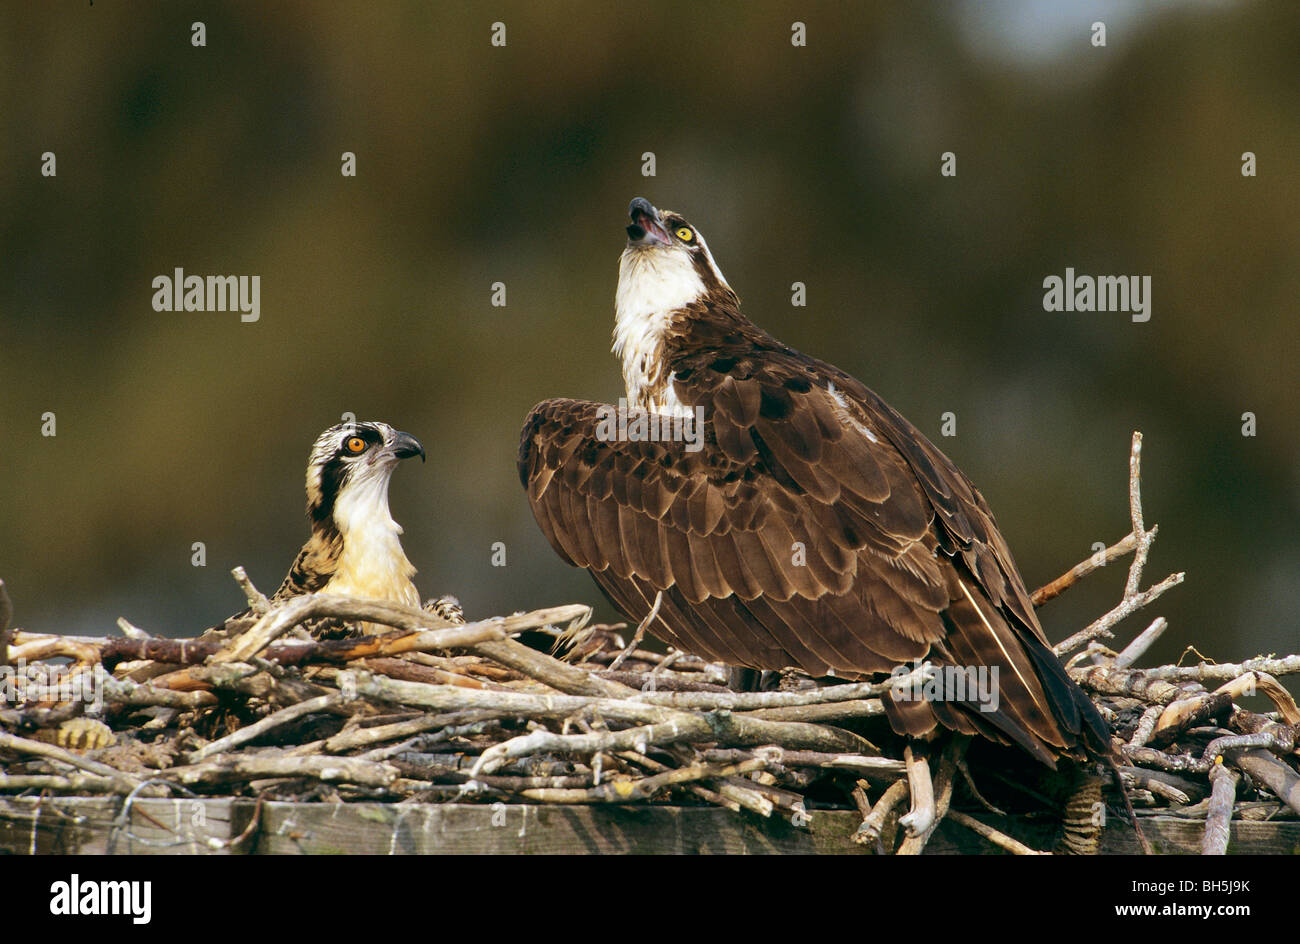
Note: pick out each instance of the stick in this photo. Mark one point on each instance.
(1264, 768)
(640, 632)
(1132, 600)
(943, 782)
(1144, 537)
(696, 789)
(281, 619)
(1126, 607)
(625, 791)
(269, 723)
(1224, 671)
(256, 767)
(1223, 791)
(869, 833)
(921, 816)
(715, 726)
(257, 601)
(1146, 724)
(1138, 647)
(559, 675)
(52, 752)
(1055, 588)
(1000, 839)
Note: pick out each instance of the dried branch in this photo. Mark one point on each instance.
(257, 601)
(1053, 589)
(999, 839)
(53, 752)
(873, 824)
(1138, 647)
(1223, 787)
(640, 632)
(269, 723)
(1142, 539)
(1100, 628)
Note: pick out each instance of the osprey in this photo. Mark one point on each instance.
(809, 525)
(355, 547)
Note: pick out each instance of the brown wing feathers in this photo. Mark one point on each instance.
(900, 558)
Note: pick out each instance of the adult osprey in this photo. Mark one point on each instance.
(810, 526)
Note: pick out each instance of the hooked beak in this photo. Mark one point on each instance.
(404, 445)
(647, 227)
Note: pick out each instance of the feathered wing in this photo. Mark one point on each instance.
(815, 528)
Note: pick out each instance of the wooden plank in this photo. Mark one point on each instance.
(547, 830)
(95, 826)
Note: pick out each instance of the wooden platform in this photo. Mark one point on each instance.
(96, 825)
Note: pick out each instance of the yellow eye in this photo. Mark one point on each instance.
(684, 234)
(355, 445)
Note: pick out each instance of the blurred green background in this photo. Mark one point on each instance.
(479, 164)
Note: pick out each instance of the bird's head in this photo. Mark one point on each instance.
(349, 471)
(663, 248)
(666, 272)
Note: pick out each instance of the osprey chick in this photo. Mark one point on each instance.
(355, 547)
(808, 524)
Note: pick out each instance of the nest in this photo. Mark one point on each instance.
(439, 712)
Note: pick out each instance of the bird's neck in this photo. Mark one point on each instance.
(656, 309)
(370, 562)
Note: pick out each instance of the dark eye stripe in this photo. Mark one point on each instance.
(332, 475)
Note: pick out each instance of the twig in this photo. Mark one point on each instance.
(1224, 671)
(705, 794)
(257, 601)
(1223, 791)
(918, 820)
(559, 675)
(269, 723)
(1144, 640)
(1126, 607)
(1055, 588)
(1132, 600)
(1264, 768)
(640, 632)
(1262, 683)
(130, 630)
(869, 833)
(680, 727)
(64, 783)
(999, 839)
(630, 791)
(281, 619)
(945, 776)
(1146, 724)
(1144, 537)
(974, 790)
(1186, 713)
(1150, 780)
(257, 766)
(52, 752)
(1176, 763)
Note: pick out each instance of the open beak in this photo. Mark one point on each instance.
(647, 227)
(404, 445)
